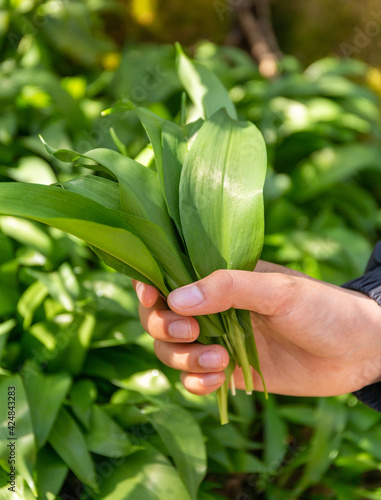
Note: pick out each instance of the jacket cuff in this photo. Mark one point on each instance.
(370, 284)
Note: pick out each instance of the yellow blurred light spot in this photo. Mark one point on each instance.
(75, 86)
(144, 11)
(373, 78)
(34, 96)
(23, 5)
(111, 60)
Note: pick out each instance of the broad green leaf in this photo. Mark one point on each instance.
(32, 169)
(9, 299)
(182, 435)
(106, 438)
(139, 186)
(46, 332)
(332, 166)
(119, 366)
(97, 189)
(247, 463)
(221, 201)
(118, 143)
(219, 454)
(150, 383)
(174, 149)
(162, 249)
(66, 339)
(152, 124)
(82, 396)
(203, 495)
(369, 442)
(45, 394)
(30, 300)
(129, 332)
(146, 157)
(229, 435)
(83, 218)
(120, 266)
(363, 418)
(50, 473)
(169, 145)
(21, 434)
(331, 421)
(73, 356)
(28, 233)
(298, 414)
(5, 329)
(69, 280)
(21, 491)
(51, 84)
(156, 240)
(147, 475)
(275, 434)
(6, 247)
(204, 88)
(111, 295)
(9, 276)
(69, 443)
(336, 66)
(55, 287)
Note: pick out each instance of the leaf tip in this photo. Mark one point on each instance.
(179, 49)
(48, 148)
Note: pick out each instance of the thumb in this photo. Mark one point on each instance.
(265, 293)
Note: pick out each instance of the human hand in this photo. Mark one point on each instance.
(313, 338)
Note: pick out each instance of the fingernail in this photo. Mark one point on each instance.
(186, 297)
(140, 290)
(210, 379)
(210, 359)
(180, 329)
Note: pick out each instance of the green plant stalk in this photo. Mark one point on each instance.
(236, 336)
(222, 393)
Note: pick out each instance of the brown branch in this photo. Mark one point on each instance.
(259, 45)
(263, 10)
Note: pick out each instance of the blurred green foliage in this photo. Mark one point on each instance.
(98, 416)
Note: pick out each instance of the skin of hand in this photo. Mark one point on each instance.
(313, 338)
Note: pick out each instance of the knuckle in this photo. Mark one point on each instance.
(288, 288)
(223, 286)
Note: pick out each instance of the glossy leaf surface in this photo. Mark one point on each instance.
(221, 202)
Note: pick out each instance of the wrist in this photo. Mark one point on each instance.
(368, 335)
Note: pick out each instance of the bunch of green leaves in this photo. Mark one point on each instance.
(322, 129)
(198, 210)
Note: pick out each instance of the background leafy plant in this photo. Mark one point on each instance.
(70, 323)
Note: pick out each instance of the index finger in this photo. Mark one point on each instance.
(147, 294)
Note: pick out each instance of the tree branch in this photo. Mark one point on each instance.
(263, 48)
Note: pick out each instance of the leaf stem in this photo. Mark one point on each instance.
(237, 338)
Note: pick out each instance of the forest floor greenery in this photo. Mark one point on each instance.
(98, 416)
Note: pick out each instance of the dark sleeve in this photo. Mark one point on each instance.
(370, 284)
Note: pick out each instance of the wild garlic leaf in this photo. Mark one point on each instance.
(97, 189)
(140, 190)
(162, 249)
(221, 195)
(83, 218)
(174, 150)
(203, 87)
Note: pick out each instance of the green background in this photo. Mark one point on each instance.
(99, 416)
